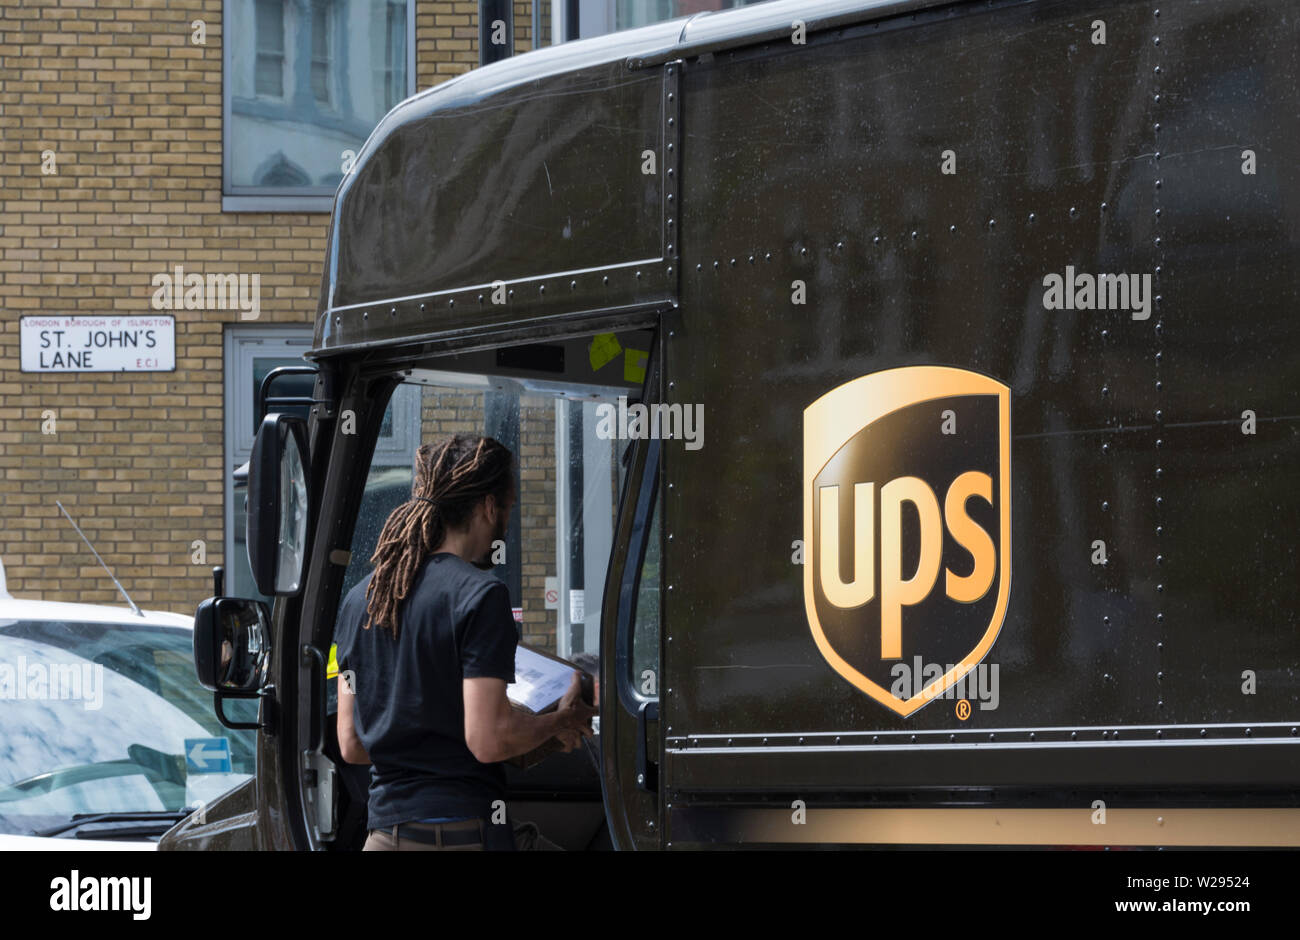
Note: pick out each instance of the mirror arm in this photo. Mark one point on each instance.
(266, 710)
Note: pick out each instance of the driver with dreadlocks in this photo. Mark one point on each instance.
(427, 641)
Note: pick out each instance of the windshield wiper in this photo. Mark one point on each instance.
(172, 816)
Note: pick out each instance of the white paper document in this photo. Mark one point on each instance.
(539, 682)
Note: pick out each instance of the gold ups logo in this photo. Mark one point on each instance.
(907, 525)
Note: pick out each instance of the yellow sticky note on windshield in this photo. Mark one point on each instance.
(634, 361)
(603, 350)
(332, 667)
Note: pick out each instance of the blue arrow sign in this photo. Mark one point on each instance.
(207, 755)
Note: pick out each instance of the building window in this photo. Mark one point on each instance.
(321, 59)
(394, 72)
(269, 42)
(597, 17)
(306, 81)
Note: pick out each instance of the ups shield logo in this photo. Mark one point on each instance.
(907, 525)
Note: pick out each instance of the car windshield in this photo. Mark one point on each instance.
(109, 718)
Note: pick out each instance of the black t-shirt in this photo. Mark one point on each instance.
(409, 705)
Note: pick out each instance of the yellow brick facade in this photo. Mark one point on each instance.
(131, 110)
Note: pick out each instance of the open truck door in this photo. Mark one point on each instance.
(631, 740)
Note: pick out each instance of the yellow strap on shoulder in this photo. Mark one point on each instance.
(332, 667)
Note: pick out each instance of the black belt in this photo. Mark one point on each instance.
(469, 832)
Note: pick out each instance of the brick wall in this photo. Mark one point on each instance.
(447, 37)
(132, 112)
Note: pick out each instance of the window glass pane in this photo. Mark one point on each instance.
(270, 75)
(395, 51)
(320, 51)
(269, 41)
(319, 39)
(645, 631)
(570, 475)
(270, 26)
(293, 109)
(632, 13)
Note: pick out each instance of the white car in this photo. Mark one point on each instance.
(107, 739)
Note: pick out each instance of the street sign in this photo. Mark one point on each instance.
(97, 344)
(207, 755)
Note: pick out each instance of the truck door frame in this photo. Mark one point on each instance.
(631, 742)
(362, 383)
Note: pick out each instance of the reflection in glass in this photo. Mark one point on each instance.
(243, 646)
(569, 482)
(645, 635)
(293, 517)
(268, 39)
(629, 14)
(101, 721)
(306, 81)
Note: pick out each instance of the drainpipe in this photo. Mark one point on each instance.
(492, 12)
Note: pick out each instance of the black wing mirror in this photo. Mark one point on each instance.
(232, 645)
(277, 505)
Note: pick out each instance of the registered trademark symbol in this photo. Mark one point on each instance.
(963, 709)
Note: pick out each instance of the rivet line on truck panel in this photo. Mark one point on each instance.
(849, 740)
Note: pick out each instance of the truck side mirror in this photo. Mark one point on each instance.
(231, 644)
(277, 505)
(232, 647)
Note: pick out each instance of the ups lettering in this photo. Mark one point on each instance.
(897, 590)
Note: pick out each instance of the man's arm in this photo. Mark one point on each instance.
(350, 746)
(495, 732)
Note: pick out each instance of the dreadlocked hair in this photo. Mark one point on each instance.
(450, 480)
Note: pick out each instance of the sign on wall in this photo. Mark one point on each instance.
(98, 344)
